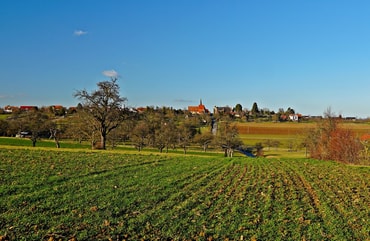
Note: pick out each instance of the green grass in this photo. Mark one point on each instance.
(252, 139)
(60, 195)
(4, 116)
(26, 142)
(45, 144)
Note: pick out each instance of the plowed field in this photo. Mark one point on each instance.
(290, 128)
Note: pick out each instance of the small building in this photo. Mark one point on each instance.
(28, 107)
(72, 110)
(295, 117)
(57, 107)
(141, 109)
(10, 109)
(222, 110)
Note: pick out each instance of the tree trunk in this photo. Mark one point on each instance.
(53, 134)
(229, 152)
(103, 139)
(57, 142)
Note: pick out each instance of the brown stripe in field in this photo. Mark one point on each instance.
(293, 128)
(272, 130)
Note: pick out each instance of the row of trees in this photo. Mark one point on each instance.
(162, 129)
(101, 119)
(32, 124)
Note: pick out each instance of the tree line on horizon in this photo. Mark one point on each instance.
(100, 119)
(237, 112)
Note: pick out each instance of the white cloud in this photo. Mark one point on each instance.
(79, 32)
(110, 73)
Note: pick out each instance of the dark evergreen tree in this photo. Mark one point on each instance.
(255, 109)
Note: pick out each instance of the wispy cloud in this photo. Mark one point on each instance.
(12, 96)
(79, 32)
(6, 96)
(110, 73)
(183, 101)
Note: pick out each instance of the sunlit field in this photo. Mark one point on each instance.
(289, 135)
(62, 195)
(293, 128)
(4, 116)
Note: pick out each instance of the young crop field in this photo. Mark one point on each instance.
(61, 195)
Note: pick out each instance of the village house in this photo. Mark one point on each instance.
(10, 109)
(28, 107)
(222, 110)
(57, 107)
(295, 117)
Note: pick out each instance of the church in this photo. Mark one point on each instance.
(200, 109)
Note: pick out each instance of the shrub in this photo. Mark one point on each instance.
(344, 146)
(329, 141)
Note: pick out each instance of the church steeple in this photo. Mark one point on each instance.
(198, 109)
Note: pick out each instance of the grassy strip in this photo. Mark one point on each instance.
(26, 142)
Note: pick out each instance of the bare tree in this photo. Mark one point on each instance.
(140, 135)
(165, 135)
(4, 126)
(55, 133)
(37, 123)
(78, 127)
(204, 139)
(186, 133)
(104, 105)
(228, 138)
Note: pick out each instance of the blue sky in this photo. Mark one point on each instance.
(307, 55)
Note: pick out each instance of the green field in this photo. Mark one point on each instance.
(289, 135)
(62, 195)
(285, 132)
(3, 117)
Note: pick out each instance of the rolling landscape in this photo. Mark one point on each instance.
(75, 193)
(103, 172)
(184, 120)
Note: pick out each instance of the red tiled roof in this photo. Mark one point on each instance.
(365, 137)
